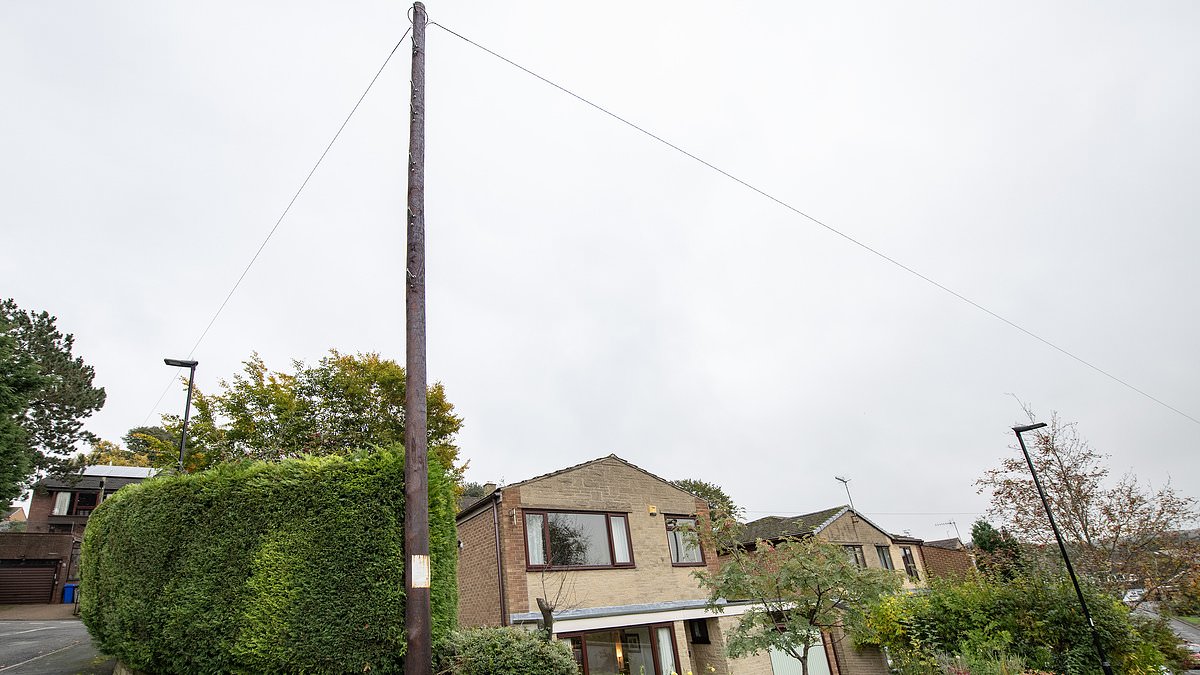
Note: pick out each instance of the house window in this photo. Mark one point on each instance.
(683, 541)
(584, 540)
(84, 503)
(648, 650)
(910, 563)
(62, 503)
(856, 555)
(885, 557)
(697, 630)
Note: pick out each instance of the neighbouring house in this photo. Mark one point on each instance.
(870, 546)
(947, 558)
(62, 504)
(600, 552)
(36, 565)
(12, 516)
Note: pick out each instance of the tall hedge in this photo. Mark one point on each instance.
(264, 568)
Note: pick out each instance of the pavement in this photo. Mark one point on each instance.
(47, 640)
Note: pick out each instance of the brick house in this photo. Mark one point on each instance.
(947, 558)
(37, 564)
(604, 547)
(870, 546)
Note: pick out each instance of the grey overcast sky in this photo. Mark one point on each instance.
(593, 292)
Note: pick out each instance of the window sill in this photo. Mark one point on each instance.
(573, 568)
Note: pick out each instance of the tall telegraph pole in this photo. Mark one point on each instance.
(417, 571)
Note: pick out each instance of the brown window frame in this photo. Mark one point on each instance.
(885, 557)
(697, 631)
(650, 627)
(856, 551)
(612, 551)
(667, 518)
(910, 563)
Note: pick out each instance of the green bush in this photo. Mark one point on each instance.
(264, 568)
(503, 651)
(1034, 619)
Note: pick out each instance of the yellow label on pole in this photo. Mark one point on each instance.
(420, 572)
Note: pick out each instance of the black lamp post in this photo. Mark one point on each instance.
(187, 410)
(1062, 547)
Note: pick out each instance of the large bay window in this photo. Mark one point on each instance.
(555, 539)
(635, 650)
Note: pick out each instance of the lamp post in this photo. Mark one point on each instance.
(1061, 546)
(187, 410)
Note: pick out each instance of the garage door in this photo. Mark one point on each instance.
(782, 664)
(27, 583)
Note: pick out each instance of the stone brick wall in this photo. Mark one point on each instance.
(759, 664)
(946, 563)
(606, 485)
(478, 573)
(40, 507)
(512, 543)
(850, 529)
(711, 655)
(852, 660)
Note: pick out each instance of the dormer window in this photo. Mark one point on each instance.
(560, 539)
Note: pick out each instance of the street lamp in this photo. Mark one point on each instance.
(187, 410)
(1061, 546)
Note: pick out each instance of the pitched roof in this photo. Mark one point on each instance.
(596, 461)
(953, 543)
(778, 527)
(465, 506)
(92, 477)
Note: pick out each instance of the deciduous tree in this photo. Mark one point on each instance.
(341, 403)
(108, 453)
(718, 500)
(800, 587)
(1118, 531)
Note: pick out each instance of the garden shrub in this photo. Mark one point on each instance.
(1034, 619)
(257, 567)
(503, 651)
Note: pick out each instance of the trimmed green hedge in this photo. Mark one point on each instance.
(264, 568)
(503, 651)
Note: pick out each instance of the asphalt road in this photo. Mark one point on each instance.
(49, 648)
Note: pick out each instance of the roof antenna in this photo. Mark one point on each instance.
(846, 483)
(952, 524)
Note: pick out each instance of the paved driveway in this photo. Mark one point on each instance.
(49, 648)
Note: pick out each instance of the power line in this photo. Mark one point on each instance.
(282, 215)
(884, 513)
(816, 221)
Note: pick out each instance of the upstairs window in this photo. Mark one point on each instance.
(856, 555)
(910, 563)
(885, 557)
(684, 541)
(556, 539)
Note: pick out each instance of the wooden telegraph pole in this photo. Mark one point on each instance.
(417, 571)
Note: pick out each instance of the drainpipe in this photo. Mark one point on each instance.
(499, 556)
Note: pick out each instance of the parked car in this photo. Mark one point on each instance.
(1134, 595)
(1194, 649)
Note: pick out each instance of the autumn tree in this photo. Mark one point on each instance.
(1118, 531)
(341, 403)
(799, 588)
(108, 453)
(45, 395)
